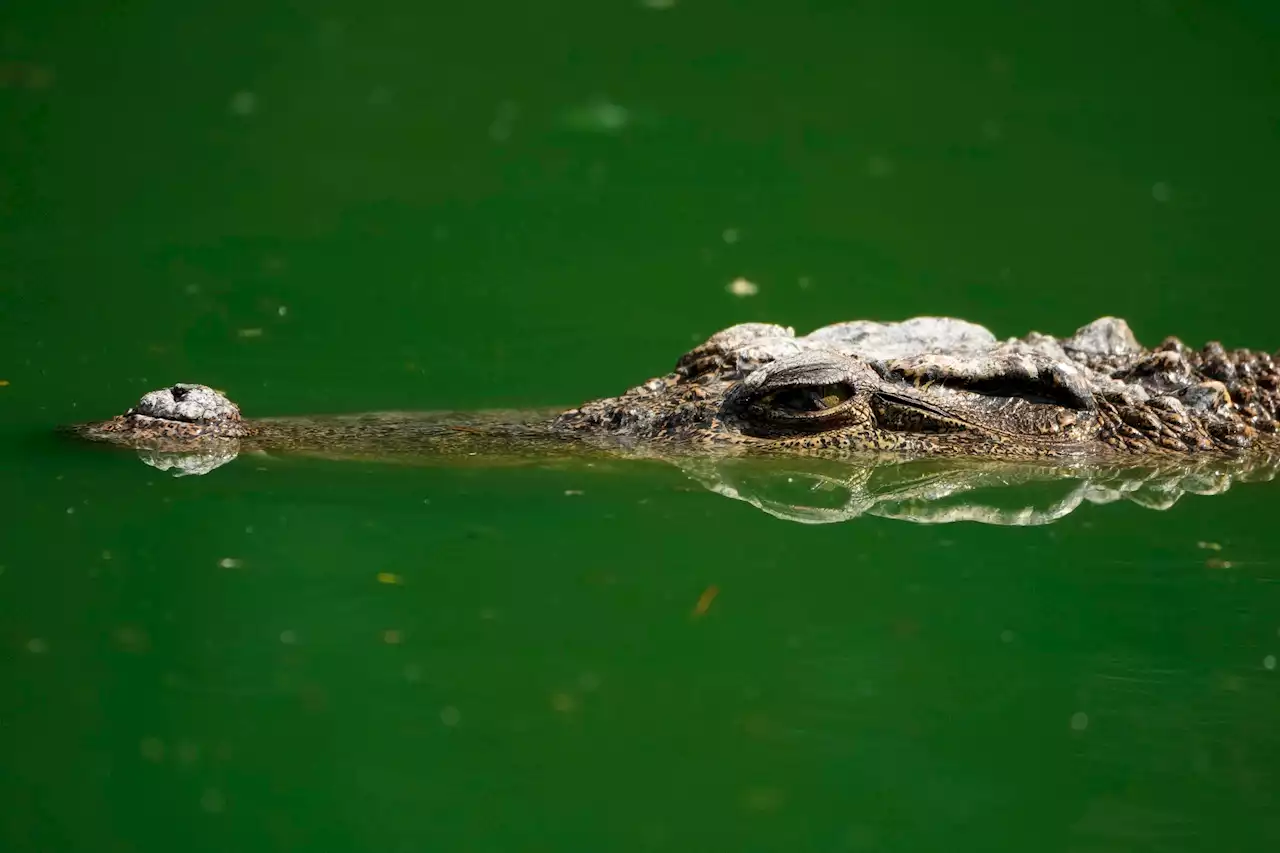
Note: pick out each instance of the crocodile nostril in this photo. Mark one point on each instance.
(179, 393)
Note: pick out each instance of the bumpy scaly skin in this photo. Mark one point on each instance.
(925, 386)
(1097, 392)
(178, 415)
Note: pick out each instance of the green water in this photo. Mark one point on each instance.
(332, 206)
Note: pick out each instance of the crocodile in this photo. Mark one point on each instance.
(925, 386)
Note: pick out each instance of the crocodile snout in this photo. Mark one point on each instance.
(195, 404)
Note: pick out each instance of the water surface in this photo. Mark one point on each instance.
(336, 207)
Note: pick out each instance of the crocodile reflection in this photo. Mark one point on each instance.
(817, 490)
(931, 491)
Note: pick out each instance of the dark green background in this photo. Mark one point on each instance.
(422, 189)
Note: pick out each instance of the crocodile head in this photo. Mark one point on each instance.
(177, 418)
(929, 386)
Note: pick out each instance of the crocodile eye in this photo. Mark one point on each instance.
(808, 399)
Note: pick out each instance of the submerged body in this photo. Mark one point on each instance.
(924, 387)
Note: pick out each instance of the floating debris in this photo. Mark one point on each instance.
(392, 637)
(152, 749)
(1215, 563)
(188, 752)
(243, 104)
(503, 121)
(704, 601)
(249, 333)
(600, 115)
(390, 578)
(132, 639)
(1209, 546)
(742, 287)
(26, 75)
(879, 167)
(763, 799)
(213, 801)
(604, 116)
(230, 563)
(4, 383)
